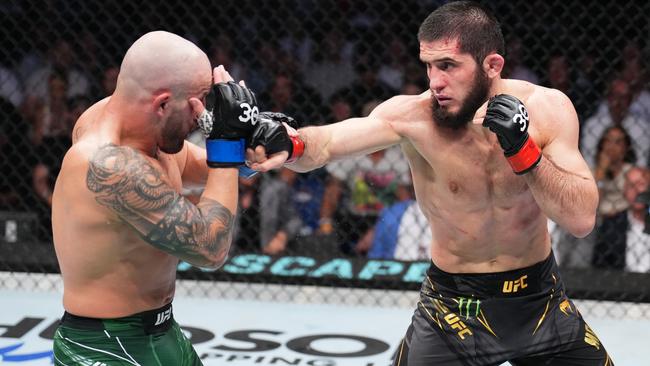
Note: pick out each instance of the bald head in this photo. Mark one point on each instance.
(161, 61)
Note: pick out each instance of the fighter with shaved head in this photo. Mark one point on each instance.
(120, 225)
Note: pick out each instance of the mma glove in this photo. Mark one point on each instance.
(507, 117)
(228, 121)
(271, 133)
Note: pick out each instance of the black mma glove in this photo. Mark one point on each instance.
(271, 133)
(507, 117)
(229, 119)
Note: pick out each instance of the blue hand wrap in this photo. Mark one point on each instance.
(226, 152)
(246, 172)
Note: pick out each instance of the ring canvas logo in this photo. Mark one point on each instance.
(239, 335)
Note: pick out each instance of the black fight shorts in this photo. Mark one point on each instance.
(521, 316)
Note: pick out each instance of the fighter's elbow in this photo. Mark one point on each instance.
(582, 226)
(583, 219)
(214, 254)
(214, 261)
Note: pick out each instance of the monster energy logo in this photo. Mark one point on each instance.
(468, 307)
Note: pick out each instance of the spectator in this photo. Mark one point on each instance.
(616, 112)
(49, 157)
(307, 193)
(402, 232)
(267, 219)
(368, 87)
(412, 89)
(279, 220)
(515, 67)
(52, 149)
(637, 253)
(221, 53)
(559, 76)
(16, 160)
(263, 67)
(338, 109)
(48, 116)
(19, 164)
(76, 107)
(367, 107)
(56, 118)
(280, 95)
(90, 54)
(297, 42)
(289, 96)
(10, 87)
(615, 158)
(61, 58)
(355, 193)
(391, 72)
(413, 76)
(109, 80)
(588, 82)
(571, 252)
(246, 237)
(635, 73)
(330, 71)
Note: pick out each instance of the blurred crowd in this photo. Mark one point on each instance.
(362, 207)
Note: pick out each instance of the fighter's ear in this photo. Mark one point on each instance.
(161, 102)
(493, 64)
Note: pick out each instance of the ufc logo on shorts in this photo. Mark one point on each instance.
(249, 113)
(514, 286)
(163, 316)
(521, 118)
(454, 321)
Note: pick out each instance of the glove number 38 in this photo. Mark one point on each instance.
(249, 114)
(520, 118)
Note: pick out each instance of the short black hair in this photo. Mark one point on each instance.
(630, 154)
(477, 30)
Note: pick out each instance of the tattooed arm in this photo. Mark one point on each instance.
(135, 188)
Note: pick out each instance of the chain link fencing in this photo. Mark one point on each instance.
(351, 224)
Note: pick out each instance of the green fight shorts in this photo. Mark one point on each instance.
(150, 338)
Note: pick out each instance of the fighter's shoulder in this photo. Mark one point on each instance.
(86, 119)
(118, 158)
(402, 108)
(538, 98)
(550, 110)
(548, 97)
(107, 157)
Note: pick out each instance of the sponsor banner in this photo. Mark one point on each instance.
(326, 269)
(345, 272)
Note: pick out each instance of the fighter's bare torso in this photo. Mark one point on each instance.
(483, 217)
(108, 269)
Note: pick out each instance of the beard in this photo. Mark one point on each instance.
(173, 135)
(477, 96)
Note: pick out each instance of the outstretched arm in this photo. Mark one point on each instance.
(354, 136)
(137, 190)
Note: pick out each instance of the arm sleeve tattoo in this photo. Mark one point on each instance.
(133, 187)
